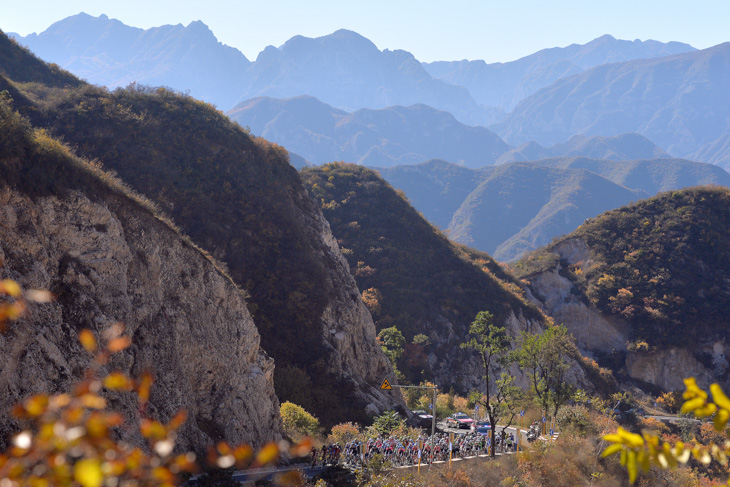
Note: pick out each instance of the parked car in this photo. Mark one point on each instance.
(483, 429)
(422, 418)
(478, 424)
(459, 420)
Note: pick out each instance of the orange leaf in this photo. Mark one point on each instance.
(93, 401)
(87, 340)
(119, 344)
(267, 454)
(143, 389)
(177, 420)
(37, 405)
(117, 381)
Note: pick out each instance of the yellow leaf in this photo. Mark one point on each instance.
(10, 288)
(644, 461)
(719, 397)
(87, 340)
(93, 401)
(616, 447)
(631, 465)
(692, 404)
(268, 454)
(721, 419)
(117, 381)
(627, 438)
(88, 473)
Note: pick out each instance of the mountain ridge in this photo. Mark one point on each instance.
(504, 84)
(678, 102)
(442, 190)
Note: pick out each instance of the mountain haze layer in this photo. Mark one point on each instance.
(508, 209)
(347, 71)
(503, 85)
(679, 102)
(624, 147)
(109, 53)
(386, 137)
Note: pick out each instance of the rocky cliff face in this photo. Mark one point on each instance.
(112, 261)
(348, 331)
(599, 333)
(467, 370)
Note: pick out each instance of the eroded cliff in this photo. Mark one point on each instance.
(67, 227)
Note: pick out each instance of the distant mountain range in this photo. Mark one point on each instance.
(387, 137)
(346, 70)
(509, 209)
(107, 52)
(503, 85)
(343, 69)
(679, 102)
(622, 147)
(398, 135)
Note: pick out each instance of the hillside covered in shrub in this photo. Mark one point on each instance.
(662, 264)
(238, 197)
(411, 275)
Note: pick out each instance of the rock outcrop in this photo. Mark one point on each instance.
(112, 261)
(599, 333)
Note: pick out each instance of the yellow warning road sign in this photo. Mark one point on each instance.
(386, 385)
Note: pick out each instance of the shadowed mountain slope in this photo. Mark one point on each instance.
(108, 256)
(412, 276)
(238, 197)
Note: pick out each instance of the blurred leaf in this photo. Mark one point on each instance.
(39, 296)
(10, 288)
(36, 405)
(93, 401)
(178, 420)
(88, 473)
(119, 344)
(87, 340)
(118, 381)
(113, 331)
(143, 390)
(268, 454)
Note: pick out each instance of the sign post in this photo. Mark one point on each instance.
(387, 386)
(451, 446)
(420, 449)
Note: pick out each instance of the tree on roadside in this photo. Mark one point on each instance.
(544, 358)
(391, 340)
(492, 344)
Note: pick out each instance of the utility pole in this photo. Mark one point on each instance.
(387, 386)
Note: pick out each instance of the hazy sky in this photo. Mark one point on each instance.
(431, 30)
